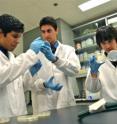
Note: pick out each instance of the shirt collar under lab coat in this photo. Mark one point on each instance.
(3, 50)
(54, 46)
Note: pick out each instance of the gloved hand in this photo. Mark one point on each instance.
(94, 65)
(36, 45)
(46, 49)
(53, 86)
(35, 68)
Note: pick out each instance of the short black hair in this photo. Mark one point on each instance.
(10, 23)
(105, 33)
(48, 21)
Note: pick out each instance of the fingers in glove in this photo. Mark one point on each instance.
(58, 87)
(51, 79)
(92, 59)
(47, 43)
(44, 49)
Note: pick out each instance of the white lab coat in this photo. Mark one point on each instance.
(12, 101)
(106, 82)
(67, 65)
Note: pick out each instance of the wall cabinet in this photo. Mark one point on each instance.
(112, 20)
(85, 42)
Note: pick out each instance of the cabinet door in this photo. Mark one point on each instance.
(85, 42)
(112, 20)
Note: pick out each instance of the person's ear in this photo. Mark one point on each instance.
(57, 30)
(1, 31)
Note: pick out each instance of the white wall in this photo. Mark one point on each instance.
(66, 32)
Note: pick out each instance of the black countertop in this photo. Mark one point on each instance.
(70, 116)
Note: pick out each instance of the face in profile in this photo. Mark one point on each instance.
(10, 41)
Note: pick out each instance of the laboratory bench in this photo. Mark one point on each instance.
(69, 115)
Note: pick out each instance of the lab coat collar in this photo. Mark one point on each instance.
(110, 64)
(55, 44)
(54, 47)
(58, 47)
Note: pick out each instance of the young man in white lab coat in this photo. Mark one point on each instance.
(103, 77)
(13, 75)
(58, 60)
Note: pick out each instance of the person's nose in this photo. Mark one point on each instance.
(17, 41)
(46, 35)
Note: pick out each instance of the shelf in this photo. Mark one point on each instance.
(82, 75)
(84, 36)
(89, 48)
(85, 100)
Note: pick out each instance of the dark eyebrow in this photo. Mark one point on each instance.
(48, 30)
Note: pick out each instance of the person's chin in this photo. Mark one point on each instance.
(11, 49)
(49, 41)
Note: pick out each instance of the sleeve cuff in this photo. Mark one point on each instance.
(39, 84)
(59, 62)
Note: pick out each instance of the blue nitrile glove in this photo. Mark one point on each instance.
(53, 86)
(46, 50)
(94, 65)
(36, 45)
(35, 68)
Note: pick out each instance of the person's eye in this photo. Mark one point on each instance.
(42, 31)
(49, 31)
(16, 36)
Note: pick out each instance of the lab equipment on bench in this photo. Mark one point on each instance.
(100, 106)
(33, 118)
